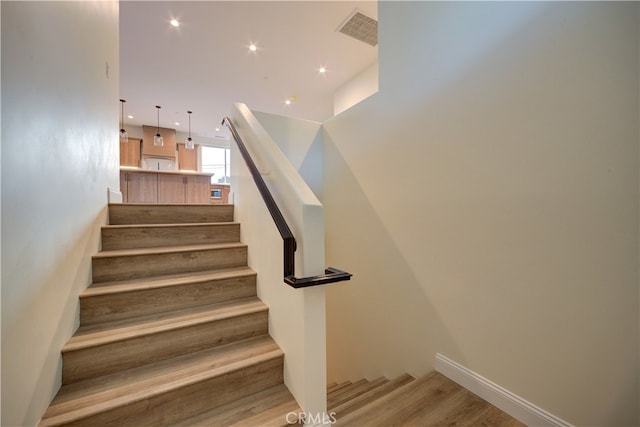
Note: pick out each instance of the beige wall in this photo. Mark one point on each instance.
(486, 201)
(59, 155)
(301, 142)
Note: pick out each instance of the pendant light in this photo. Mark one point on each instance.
(124, 136)
(158, 141)
(189, 144)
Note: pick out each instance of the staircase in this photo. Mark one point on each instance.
(171, 330)
(172, 334)
(431, 400)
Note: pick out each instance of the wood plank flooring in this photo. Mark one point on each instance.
(431, 400)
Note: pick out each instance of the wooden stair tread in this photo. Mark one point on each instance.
(242, 411)
(131, 236)
(346, 390)
(347, 385)
(166, 250)
(452, 405)
(87, 397)
(342, 409)
(141, 213)
(272, 417)
(424, 392)
(153, 205)
(108, 332)
(339, 386)
(357, 389)
(132, 285)
(169, 225)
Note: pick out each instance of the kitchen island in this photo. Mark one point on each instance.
(149, 186)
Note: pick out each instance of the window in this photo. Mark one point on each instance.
(216, 160)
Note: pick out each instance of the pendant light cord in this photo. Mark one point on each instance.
(122, 101)
(158, 107)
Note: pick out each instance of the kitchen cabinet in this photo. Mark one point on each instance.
(197, 189)
(219, 194)
(169, 147)
(142, 186)
(187, 159)
(171, 188)
(139, 187)
(130, 152)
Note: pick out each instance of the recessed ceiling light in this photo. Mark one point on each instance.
(130, 116)
(174, 22)
(177, 123)
(253, 47)
(217, 129)
(322, 69)
(288, 102)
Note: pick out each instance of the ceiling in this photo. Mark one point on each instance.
(205, 64)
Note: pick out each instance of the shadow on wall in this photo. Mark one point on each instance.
(388, 293)
(312, 164)
(57, 295)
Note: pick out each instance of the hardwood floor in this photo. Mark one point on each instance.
(432, 400)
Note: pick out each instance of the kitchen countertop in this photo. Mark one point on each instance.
(134, 169)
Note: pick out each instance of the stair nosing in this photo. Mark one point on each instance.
(145, 393)
(168, 225)
(108, 336)
(172, 204)
(165, 250)
(164, 281)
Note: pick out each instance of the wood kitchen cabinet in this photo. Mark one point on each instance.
(140, 186)
(220, 194)
(171, 188)
(187, 159)
(130, 152)
(169, 147)
(198, 189)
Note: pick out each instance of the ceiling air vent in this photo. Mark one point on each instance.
(361, 27)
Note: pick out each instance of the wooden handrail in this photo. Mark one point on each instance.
(331, 275)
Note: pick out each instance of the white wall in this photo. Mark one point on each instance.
(301, 142)
(505, 235)
(357, 89)
(296, 316)
(60, 116)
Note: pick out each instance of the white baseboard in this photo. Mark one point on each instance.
(114, 196)
(510, 403)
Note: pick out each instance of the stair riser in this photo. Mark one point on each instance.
(172, 406)
(120, 214)
(152, 237)
(124, 305)
(109, 358)
(138, 266)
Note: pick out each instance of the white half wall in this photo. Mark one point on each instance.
(486, 200)
(296, 316)
(301, 142)
(60, 116)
